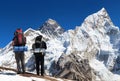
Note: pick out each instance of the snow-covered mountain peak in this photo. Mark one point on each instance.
(29, 29)
(103, 12)
(51, 28)
(51, 21)
(97, 21)
(51, 24)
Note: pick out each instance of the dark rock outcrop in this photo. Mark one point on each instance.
(74, 68)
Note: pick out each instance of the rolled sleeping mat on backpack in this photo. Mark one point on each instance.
(38, 50)
(20, 48)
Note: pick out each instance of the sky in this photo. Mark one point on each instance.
(33, 13)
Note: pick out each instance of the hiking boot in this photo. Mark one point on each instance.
(38, 74)
(23, 72)
(18, 72)
(42, 75)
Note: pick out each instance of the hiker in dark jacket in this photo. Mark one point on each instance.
(19, 55)
(38, 48)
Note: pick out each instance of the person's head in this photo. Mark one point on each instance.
(38, 38)
(17, 31)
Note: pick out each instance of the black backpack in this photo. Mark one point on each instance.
(40, 44)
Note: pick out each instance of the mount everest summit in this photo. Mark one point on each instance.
(51, 28)
(90, 52)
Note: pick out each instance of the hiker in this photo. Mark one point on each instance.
(18, 41)
(39, 52)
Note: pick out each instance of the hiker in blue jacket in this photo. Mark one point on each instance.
(38, 48)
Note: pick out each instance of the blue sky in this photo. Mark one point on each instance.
(33, 13)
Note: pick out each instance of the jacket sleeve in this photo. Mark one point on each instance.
(24, 39)
(33, 46)
(44, 45)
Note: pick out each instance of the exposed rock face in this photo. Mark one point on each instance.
(73, 67)
(51, 28)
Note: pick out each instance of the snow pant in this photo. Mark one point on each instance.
(19, 56)
(39, 60)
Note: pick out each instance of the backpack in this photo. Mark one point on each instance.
(39, 47)
(19, 39)
(40, 44)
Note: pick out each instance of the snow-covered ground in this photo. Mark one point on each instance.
(6, 75)
(12, 76)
